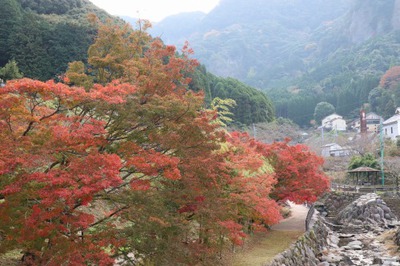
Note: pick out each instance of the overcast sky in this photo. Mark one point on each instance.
(153, 10)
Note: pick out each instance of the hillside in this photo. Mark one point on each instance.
(300, 52)
(44, 35)
(253, 40)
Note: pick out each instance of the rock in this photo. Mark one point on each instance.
(367, 209)
(385, 209)
(356, 242)
(346, 261)
(346, 235)
(377, 261)
(333, 258)
(352, 247)
(377, 217)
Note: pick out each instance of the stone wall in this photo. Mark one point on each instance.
(393, 202)
(307, 249)
(367, 212)
(336, 201)
(367, 209)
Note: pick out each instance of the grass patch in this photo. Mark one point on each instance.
(263, 247)
(11, 258)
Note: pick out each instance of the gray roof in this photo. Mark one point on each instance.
(364, 169)
(373, 115)
(392, 120)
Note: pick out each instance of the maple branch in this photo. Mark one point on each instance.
(109, 120)
(183, 114)
(109, 216)
(28, 128)
(55, 112)
(124, 133)
(8, 121)
(126, 183)
(33, 106)
(51, 166)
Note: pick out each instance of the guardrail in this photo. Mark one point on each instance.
(362, 189)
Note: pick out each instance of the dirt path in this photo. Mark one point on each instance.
(263, 247)
(296, 221)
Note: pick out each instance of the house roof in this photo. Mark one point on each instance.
(332, 116)
(392, 119)
(373, 115)
(363, 169)
(330, 145)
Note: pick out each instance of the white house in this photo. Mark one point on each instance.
(391, 126)
(335, 150)
(334, 122)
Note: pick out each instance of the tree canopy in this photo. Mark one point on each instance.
(132, 167)
(10, 71)
(368, 160)
(322, 110)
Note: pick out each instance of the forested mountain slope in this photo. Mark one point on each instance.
(255, 40)
(43, 36)
(301, 52)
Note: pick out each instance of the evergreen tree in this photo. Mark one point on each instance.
(10, 16)
(322, 110)
(10, 71)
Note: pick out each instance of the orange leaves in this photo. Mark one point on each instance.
(391, 78)
(140, 185)
(172, 173)
(153, 163)
(112, 93)
(298, 171)
(156, 158)
(145, 149)
(236, 235)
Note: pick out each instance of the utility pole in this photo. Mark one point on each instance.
(322, 133)
(382, 153)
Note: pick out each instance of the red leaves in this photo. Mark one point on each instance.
(148, 151)
(236, 235)
(153, 163)
(112, 93)
(298, 171)
(391, 78)
(188, 208)
(140, 185)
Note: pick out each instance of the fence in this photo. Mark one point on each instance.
(363, 189)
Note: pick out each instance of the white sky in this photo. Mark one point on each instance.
(154, 10)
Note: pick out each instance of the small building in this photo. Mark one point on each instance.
(391, 126)
(373, 122)
(365, 176)
(335, 150)
(334, 122)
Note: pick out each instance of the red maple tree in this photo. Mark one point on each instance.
(134, 165)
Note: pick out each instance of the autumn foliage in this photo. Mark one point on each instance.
(391, 78)
(132, 166)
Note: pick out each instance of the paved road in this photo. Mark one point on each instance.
(296, 221)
